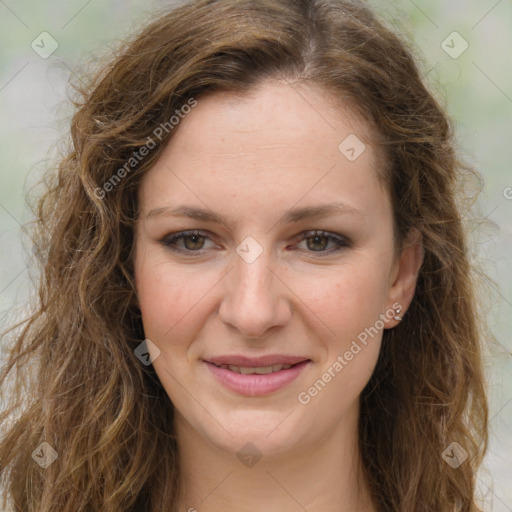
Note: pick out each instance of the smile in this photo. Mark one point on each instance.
(256, 381)
(261, 370)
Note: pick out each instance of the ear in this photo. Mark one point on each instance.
(404, 277)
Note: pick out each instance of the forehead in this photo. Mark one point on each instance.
(278, 143)
(275, 115)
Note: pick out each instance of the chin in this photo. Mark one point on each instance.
(264, 431)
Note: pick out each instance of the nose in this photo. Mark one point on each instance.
(256, 300)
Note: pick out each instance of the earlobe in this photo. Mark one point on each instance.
(404, 284)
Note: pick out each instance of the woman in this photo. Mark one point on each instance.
(256, 291)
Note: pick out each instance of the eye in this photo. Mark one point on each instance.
(194, 242)
(190, 241)
(318, 241)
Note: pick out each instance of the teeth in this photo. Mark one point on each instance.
(261, 370)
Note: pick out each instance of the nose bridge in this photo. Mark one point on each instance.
(253, 280)
(253, 302)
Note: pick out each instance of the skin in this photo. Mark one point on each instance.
(250, 158)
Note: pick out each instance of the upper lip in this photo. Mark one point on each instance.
(255, 362)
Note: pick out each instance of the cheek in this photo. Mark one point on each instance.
(169, 298)
(350, 299)
(350, 306)
(349, 303)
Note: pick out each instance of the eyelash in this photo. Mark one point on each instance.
(342, 242)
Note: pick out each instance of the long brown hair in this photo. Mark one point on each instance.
(103, 412)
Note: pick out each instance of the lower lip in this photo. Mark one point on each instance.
(256, 384)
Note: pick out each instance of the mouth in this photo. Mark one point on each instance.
(259, 370)
(252, 378)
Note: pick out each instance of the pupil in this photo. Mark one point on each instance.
(196, 241)
(316, 239)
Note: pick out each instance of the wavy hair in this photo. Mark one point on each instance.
(75, 382)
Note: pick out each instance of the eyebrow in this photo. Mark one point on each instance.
(289, 216)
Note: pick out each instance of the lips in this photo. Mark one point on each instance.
(256, 362)
(259, 370)
(255, 385)
(256, 376)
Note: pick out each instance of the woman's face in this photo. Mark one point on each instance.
(293, 262)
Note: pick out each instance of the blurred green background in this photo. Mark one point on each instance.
(475, 84)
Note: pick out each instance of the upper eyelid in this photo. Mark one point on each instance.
(189, 232)
(303, 235)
